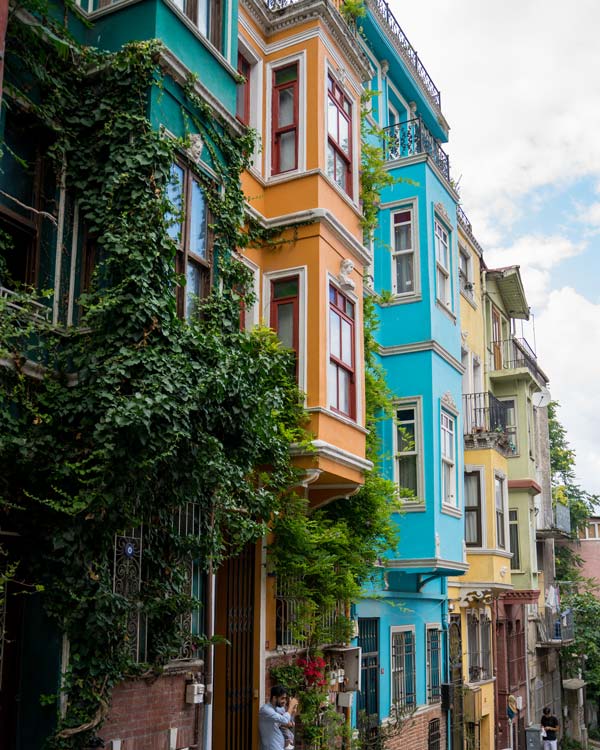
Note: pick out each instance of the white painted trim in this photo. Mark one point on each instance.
(335, 453)
(270, 67)
(411, 204)
(73, 269)
(434, 563)
(256, 99)
(479, 469)
(302, 273)
(417, 402)
(254, 318)
(422, 346)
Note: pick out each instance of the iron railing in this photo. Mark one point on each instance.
(17, 302)
(482, 412)
(555, 627)
(562, 518)
(411, 138)
(406, 49)
(463, 219)
(512, 354)
(289, 613)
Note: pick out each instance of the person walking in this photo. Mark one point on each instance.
(271, 719)
(550, 727)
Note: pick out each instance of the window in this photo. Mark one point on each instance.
(500, 532)
(407, 452)
(479, 645)
(473, 526)
(242, 108)
(442, 257)
(194, 257)
(513, 534)
(341, 353)
(434, 735)
(285, 119)
(465, 273)
(339, 136)
(511, 422)
(206, 17)
(434, 665)
(404, 693)
(403, 255)
(448, 460)
(285, 314)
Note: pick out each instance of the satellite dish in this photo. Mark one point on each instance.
(542, 398)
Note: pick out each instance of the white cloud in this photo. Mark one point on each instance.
(589, 214)
(515, 81)
(567, 331)
(537, 255)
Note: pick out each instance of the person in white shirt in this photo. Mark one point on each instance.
(271, 718)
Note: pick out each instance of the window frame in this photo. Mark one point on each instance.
(478, 509)
(512, 430)
(465, 277)
(294, 299)
(184, 254)
(448, 463)
(500, 514)
(396, 254)
(277, 131)
(244, 68)
(337, 96)
(396, 689)
(433, 691)
(415, 405)
(513, 525)
(443, 271)
(214, 18)
(336, 362)
(481, 650)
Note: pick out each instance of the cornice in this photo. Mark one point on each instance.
(313, 215)
(529, 596)
(532, 487)
(406, 161)
(422, 346)
(334, 453)
(274, 21)
(430, 563)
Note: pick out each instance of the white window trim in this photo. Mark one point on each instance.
(400, 98)
(416, 401)
(301, 272)
(454, 507)
(515, 401)
(518, 524)
(469, 295)
(256, 95)
(413, 206)
(358, 352)
(481, 471)
(448, 304)
(332, 70)
(252, 315)
(502, 476)
(402, 629)
(300, 58)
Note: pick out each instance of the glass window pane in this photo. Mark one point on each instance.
(287, 151)
(404, 273)
(286, 75)
(402, 237)
(286, 108)
(471, 527)
(332, 119)
(175, 196)
(198, 221)
(344, 136)
(285, 288)
(334, 334)
(406, 437)
(346, 342)
(332, 385)
(472, 490)
(344, 391)
(403, 415)
(407, 473)
(285, 324)
(203, 15)
(193, 288)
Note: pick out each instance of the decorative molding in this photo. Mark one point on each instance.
(320, 448)
(346, 268)
(449, 402)
(429, 563)
(423, 346)
(195, 148)
(441, 210)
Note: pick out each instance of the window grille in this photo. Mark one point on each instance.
(289, 614)
(479, 645)
(434, 735)
(403, 670)
(127, 581)
(187, 521)
(434, 662)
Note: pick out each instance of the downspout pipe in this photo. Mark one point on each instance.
(446, 661)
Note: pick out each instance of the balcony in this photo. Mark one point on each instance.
(556, 523)
(411, 138)
(515, 354)
(555, 628)
(382, 10)
(485, 422)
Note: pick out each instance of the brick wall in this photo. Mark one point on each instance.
(142, 713)
(415, 731)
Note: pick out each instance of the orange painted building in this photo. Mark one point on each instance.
(303, 72)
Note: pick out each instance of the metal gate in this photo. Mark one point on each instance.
(368, 697)
(456, 678)
(239, 654)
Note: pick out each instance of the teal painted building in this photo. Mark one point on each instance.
(403, 629)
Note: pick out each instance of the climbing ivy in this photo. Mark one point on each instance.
(135, 413)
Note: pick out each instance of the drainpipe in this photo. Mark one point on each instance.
(210, 651)
(446, 678)
(526, 618)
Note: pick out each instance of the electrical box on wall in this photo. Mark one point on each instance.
(345, 700)
(194, 692)
(348, 657)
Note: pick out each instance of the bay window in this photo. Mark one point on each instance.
(513, 531)
(341, 377)
(190, 230)
(500, 515)
(284, 121)
(403, 252)
(339, 136)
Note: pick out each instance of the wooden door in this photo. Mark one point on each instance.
(497, 339)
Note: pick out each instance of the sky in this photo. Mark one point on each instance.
(520, 85)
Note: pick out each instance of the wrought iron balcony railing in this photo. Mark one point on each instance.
(512, 354)
(464, 220)
(482, 412)
(555, 628)
(408, 52)
(562, 518)
(412, 137)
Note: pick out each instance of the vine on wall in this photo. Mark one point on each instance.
(136, 413)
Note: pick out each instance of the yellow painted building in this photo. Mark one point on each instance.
(473, 597)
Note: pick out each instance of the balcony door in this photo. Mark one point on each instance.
(496, 339)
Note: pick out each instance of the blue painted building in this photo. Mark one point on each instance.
(403, 629)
